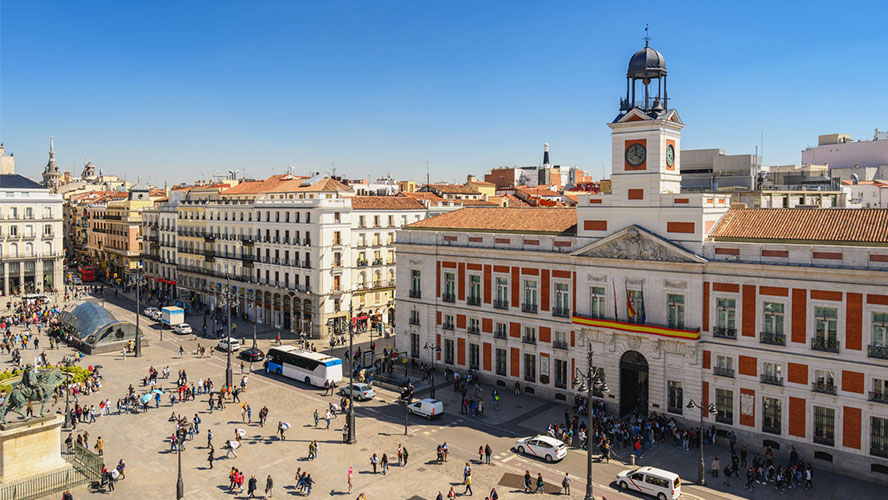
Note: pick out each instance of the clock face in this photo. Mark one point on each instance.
(670, 156)
(635, 154)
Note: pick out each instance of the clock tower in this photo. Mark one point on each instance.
(646, 135)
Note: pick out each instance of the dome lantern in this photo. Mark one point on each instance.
(647, 65)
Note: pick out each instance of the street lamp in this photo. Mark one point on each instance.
(180, 485)
(707, 410)
(137, 279)
(435, 349)
(351, 438)
(228, 299)
(593, 378)
(67, 362)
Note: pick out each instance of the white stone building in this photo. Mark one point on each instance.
(778, 317)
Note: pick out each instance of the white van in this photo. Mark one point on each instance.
(428, 408)
(651, 481)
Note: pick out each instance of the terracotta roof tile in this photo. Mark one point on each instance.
(422, 196)
(828, 225)
(515, 201)
(256, 187)
(325, 184)
(386, 203)
(454, 188)
(504, 220)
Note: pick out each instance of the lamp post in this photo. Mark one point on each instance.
(137, 279)
(593, 378)
(227, 299)
(351, 438)
(435, 349)
(180, 485)
(708, 410)
(68, 362)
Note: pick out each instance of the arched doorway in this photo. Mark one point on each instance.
(633, 383)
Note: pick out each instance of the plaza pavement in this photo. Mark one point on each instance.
(143, 439)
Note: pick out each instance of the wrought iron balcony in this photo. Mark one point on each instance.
(448, 326)
(824, 387)
(771, 379)
(473, 300)
(415, 294)
(448, 297)
(724, 333)
(500, 334)
(723, 372)
(824, 440)
(529, 308)
(877, 351)
(560, 344)
(500, 304)
(474, 330)
(561, 312)
(878, 397)
(771, 429)
(825, 344)
(414, 321)
(772, 338)
(528, 339)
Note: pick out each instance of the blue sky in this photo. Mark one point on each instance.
(177, 90)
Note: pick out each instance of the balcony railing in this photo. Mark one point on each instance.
(415, 294)
(771, 379)
(527, 339)
(500, 334)
(561, 312)
(771, 429)
(560, 344)
(448, 326)
(448, 297)
(824, 440)
(823, 387)
(723, 372)
(474, 330)
(473, 300)
(414, 321)
(825, 344)
(878, 397)
(529, 308)
(500, 304)
(772, 338)
(877, 351)
(724, 333)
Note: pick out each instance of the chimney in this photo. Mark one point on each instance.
(546, 154)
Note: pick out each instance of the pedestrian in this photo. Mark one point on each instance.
(540, 484)
(373, 462)
(468, 485)
(809, 474)
(384, 462)
(487, 452)
(317, 417)
(493, 494)
(251, 486)
(405, 456)
(715, 467)
(565, 484)
(480, 454)
(210, 457)
(527, 482)
(100, 446)
(351, 483)
(400, 454)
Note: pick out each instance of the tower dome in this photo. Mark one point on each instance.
(647, 63)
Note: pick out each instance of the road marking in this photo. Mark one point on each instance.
(510, 457)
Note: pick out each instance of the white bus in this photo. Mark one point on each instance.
(310, 367)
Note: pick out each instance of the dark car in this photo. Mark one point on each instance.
(251, 354)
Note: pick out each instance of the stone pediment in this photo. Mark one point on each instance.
(635, 243)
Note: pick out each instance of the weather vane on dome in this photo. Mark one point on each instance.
(647, 37)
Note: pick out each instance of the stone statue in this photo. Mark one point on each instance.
(33, 387)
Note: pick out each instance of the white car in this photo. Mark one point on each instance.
(156, 315)
(651, 481)
(182, 328)
(228, 344)
(545, 447)
(363, 392)
(150, 311)
(428, 408)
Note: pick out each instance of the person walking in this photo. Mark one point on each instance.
(527, 482)
(540, 484)
(468, 485)
(565, 484)
(100, 446)
(351, 482)
(487, 452)
(715, 467)
(405, 456)
(373, 462)
(251, 486)
(269, 487)
(384, 462)
(493, 495)
(211, 457)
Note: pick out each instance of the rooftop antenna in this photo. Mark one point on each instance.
(333, 166)
(647, 37)
(428, 175)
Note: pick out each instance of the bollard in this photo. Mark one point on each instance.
(632, 459)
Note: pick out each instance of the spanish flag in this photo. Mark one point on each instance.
(631, 309)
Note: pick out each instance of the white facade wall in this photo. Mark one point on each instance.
(31, 241)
